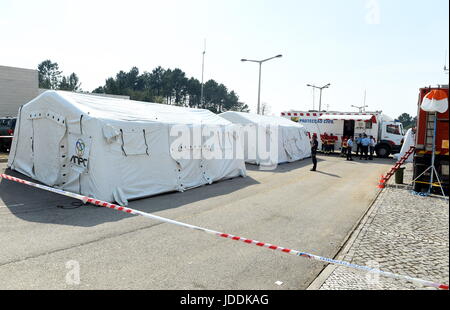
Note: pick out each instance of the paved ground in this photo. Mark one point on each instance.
(290, 207)
(403, 233)
(3, 157)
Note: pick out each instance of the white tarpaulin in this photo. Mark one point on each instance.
(288, 140)
(435, 101)
(409, 140)
(117, 150)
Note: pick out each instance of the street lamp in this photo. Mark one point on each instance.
(260, 62)
(203, 71)
(320, 88)
(361, 108)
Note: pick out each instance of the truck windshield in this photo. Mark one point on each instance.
(396, 129)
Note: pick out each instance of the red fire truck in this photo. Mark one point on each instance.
(424, 146)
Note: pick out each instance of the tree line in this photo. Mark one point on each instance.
(173, 87)
(407, 121)
(165, 86)
(50, 77)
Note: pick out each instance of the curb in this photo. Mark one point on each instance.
(348, 242)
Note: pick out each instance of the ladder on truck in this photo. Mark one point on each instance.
(429, 132)
(400, 162)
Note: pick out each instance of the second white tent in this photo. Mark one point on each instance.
(289, 139)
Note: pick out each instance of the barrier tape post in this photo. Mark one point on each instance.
(228, 236)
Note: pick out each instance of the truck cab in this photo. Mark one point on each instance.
(390, 138)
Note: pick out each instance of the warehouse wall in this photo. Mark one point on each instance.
(17, 87)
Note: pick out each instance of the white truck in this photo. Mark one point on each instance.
(388, 133)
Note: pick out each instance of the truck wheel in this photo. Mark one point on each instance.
(383, 151)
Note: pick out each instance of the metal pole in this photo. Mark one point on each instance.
(314, 98)
(364, 105)
(203, 70)
(320, 100)
(259, 89)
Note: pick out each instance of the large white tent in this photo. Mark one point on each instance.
(117, 150)
(291, 139)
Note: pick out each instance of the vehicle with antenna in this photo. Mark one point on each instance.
(387, 132)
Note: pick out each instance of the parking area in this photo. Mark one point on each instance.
(41, 232)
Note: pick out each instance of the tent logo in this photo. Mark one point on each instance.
(80, 148)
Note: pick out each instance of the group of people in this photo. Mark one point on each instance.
(365, 147)
(328, 141)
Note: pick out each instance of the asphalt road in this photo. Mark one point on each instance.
(41, 233)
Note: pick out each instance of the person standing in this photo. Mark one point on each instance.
(359, 145)
(344, 146)
(365, 142)
(349, 148)
(324, 139)
(314, 146)
(372, 147)
(331, 142)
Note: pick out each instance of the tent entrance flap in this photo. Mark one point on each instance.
(47, 162)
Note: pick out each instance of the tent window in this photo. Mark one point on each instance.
(134, 142)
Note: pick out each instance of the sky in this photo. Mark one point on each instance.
(387, 49)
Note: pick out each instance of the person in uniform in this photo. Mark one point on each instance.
(344, 146)
(314, 146)
(349, 148)
(331, 141)
(359, 145)
(324, 139)
(372, 147)
(365, 142)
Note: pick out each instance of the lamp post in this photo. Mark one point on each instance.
(260, 62)
(203, 70)
(320, 88)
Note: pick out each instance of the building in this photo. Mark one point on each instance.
(17, 87)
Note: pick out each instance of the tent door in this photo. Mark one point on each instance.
(47, 147)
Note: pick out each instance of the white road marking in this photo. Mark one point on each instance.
(16, 205)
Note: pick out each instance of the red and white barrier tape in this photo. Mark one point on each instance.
(228, 236)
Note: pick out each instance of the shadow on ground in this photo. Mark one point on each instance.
(36, 205)
(284, 167)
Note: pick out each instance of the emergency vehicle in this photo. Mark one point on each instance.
(388, 133)
(424, 145)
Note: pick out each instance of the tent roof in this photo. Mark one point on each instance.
(241, 117)
(130, 110)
